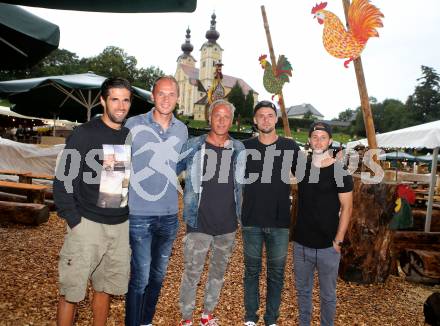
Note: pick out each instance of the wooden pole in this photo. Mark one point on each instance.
(432, 185)
(286, 127)
(362, 86)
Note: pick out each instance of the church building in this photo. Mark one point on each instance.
(195, 82)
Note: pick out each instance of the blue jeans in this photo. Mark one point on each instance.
(276, 241)
(151, 241)
(326, 262)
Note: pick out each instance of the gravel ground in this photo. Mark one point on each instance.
(28, 288)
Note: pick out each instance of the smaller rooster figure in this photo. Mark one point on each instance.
(402, 218)
(363, 19)
(273, 83)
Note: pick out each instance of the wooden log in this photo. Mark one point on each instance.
(421, 266)
(415, 240)
(5, 196)
(24, 213)
(367, 255)
(293, 208)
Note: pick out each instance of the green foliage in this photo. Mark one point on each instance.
(145, 77)
(309, 116)
(236, 97)
(111, 62)
(249, 105)
(296, 123)
(346, 115)
(388, 115)
(424, 104)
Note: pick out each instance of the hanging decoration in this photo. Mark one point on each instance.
(273, 80)
(363, 20)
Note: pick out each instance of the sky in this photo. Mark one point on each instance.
(392, 63)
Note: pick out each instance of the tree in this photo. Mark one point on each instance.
(424, 104)
(346, 115)
(389, 115)
(236, 97)
(249, 105)
(145, 77)
(309, 116)
(113, 62)
(59, 62)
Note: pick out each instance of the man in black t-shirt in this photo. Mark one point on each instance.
(266, 212)
(90, 192)
(212, 198)
(324, 210)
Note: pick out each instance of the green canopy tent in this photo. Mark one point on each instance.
(71, 97)
(25, 39)
(112, 5)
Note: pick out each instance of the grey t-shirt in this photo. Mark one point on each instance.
(216, 215)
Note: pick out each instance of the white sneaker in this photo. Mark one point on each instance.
(250, 323)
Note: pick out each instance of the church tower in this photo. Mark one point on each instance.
(211, 53)
(187, 90)
(186, 58)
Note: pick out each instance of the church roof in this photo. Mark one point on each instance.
(203, 100)
(228, 81)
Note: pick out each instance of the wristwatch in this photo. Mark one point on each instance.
(339, 243)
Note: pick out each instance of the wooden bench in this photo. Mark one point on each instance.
(12, 172)
(28, 176)
(35, 193)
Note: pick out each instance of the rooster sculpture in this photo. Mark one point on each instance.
(273, 83)
(363, 19)
(402, 218)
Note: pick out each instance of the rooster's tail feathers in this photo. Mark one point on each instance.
(284, 68)
(364, 18)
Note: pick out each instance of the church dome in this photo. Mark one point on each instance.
(212, 34)
(187, 47)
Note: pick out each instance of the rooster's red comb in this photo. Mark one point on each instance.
(319, 7)
(405, 192)
(263, 56)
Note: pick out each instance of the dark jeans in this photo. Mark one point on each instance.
(151, 241)
(326, 262)
(276, 241)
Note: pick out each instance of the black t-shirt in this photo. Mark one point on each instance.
(266, 201)
(217, 215)
(100, 160)
(319, 205)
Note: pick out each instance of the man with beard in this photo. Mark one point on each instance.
(324, 209)
(266, 212)
(96, 245)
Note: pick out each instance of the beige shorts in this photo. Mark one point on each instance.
(95, 251)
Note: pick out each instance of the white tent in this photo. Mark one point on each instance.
(7, 112)
(426, 135)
